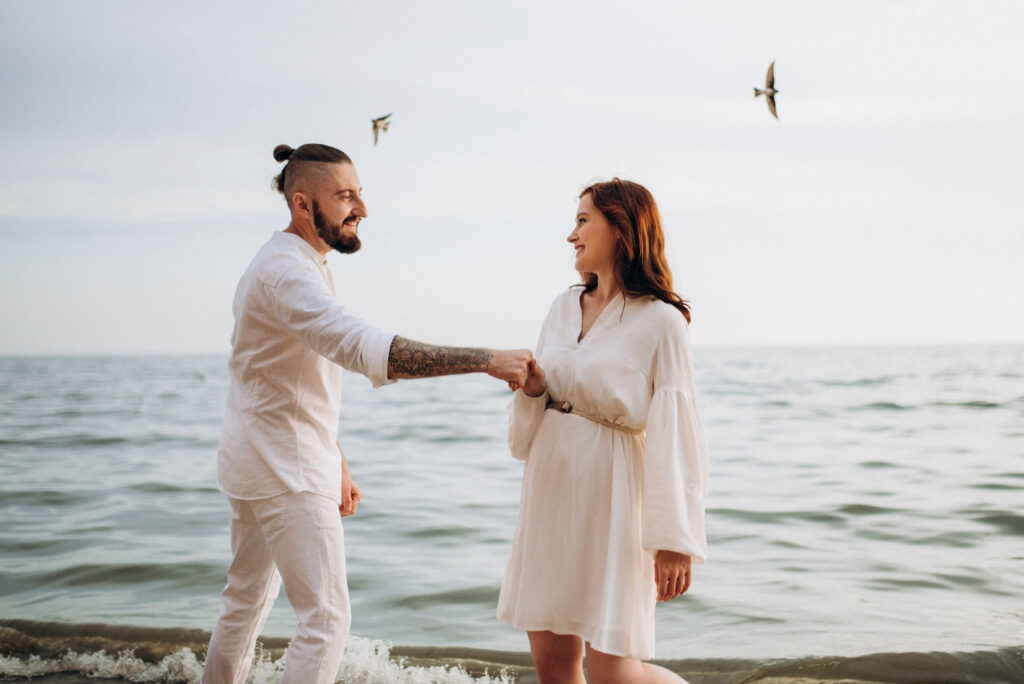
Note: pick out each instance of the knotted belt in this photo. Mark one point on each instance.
(566, 407)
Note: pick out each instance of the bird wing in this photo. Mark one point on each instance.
(375, 132)
(769, 81)
(771, 105)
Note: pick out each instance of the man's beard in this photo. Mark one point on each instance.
(332, 235)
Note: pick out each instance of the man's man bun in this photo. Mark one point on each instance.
(283, 152)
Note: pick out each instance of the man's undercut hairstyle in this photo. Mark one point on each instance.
(302, 160)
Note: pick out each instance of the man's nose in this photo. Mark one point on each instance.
(360, 208)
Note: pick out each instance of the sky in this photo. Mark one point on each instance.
(884, 206)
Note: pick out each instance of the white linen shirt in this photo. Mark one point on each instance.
(290, 341)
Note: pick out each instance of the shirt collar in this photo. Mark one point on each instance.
(306, 248)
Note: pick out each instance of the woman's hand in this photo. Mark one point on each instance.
(535, 383)
(671, 574)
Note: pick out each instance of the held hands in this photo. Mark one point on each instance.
(512, 366)
(671, 574)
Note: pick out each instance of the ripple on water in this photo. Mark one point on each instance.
(1004, 521)
(883, 406)
(861, 382)
(977, 582)
(995, 486)
(443, 532)
(968, 404)
(482, 594)
(866, 509)
(901, 584)
(46, 497)
(91, 575)
(879, 465)
(952, 540)
(167, 488)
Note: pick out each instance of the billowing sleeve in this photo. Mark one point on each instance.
(525, 412)
(675, 456)
(305, 307)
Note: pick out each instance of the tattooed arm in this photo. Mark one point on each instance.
(410, 359)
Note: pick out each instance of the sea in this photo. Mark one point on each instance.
(865, 522)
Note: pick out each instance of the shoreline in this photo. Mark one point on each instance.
(69, 653)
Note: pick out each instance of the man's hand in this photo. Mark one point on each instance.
(512, 366)
(350, 494)
(671, 574)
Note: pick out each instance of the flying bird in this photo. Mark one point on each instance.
(769, 90)
(380, 125)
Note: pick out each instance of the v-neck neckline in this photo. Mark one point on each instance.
(580, 337)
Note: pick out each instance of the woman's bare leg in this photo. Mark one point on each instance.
(609, 669)
(558, 658)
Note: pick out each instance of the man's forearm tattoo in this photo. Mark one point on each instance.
(409, 359)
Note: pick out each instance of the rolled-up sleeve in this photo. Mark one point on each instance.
(675, 456)
(307, 309)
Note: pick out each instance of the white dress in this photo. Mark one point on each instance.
(597, 502)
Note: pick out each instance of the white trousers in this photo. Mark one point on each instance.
(297, 538)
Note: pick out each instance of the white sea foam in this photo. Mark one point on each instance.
(366, 662)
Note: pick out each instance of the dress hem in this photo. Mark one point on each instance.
(569, 631)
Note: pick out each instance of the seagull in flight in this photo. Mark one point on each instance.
(380, 124)
(769, 90)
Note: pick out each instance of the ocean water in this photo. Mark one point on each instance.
(866, 521)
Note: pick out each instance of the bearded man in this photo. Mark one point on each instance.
(279, 461)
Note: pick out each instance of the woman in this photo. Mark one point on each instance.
(612, 508)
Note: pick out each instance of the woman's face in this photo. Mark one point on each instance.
(593, 238)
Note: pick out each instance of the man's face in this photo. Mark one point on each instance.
(338, 208)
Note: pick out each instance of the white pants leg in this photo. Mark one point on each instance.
(297, 538)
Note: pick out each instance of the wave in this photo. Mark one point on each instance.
(83, 440)
(85, 653)
(976, 404)
(893, 406)
(883, 406)
(186, 573)
(862, 382)
(365, 662)
(82, 653)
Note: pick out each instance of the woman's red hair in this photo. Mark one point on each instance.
(640, 262)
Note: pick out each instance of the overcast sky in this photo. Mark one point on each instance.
(886, 205)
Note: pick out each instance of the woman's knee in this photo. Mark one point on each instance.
(603, 668)
(556, 656)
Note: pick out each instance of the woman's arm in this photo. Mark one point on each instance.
(675, 452)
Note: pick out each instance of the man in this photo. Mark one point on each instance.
(279, 461)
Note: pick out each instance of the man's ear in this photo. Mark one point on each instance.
(302, 204)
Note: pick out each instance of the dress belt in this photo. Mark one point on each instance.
(566, 407)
